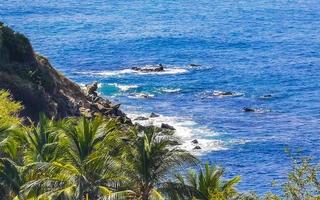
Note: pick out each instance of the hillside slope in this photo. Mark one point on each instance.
(32, 80)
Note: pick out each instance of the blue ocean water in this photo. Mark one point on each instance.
(252, 48)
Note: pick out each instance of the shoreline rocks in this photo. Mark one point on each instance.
(195, 141)
(153, 115)
(141, 118)
(91, 89)
(167, 126)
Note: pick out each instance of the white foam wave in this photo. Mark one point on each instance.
(170, 90)
(82, 85)
(187, 130)
(124, 87)
(141, 95)
(130, 71)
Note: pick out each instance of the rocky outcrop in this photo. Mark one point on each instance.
(159, 68)
(247, 109)
(32, 80)
(167, 126)
(141, 118)
(196, 148)
(195, 141)
(153, 115)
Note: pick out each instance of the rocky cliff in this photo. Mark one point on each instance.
(32, 80)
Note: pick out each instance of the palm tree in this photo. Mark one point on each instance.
(150, 158)
(86, 169)
(207, 185)
(9, 109)
(42, 141)
(11, 178)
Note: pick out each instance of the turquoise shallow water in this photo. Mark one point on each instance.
(252, 48)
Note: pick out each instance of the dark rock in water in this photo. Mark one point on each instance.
(266, 96)
(153, 115)
(159, 68)
(145, 96)
(227, 93)
(246, 109)
(194, 65)
(197, 147)
(195, 141)
(40, 88)
(167, 126)
(92, 89)
(141, 118)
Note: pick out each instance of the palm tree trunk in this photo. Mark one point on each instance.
(87, 196)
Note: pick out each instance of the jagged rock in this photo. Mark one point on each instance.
(141, 118)
(167, 126)
(247, 109)
(197, 147)
(195, 141)
(153, 115)
(116, 106)
(92, 89)
(100, 107)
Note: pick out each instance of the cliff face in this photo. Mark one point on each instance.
(33, 81)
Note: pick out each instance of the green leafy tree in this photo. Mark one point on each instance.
(8, 110)
(10, 170)
(150, 158)
(87, 170)
(303, 182)
(205, 185)
(42, 141)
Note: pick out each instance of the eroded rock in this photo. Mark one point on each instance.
(167, 126)
(153, 115)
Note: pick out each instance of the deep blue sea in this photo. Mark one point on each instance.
(251, 48)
